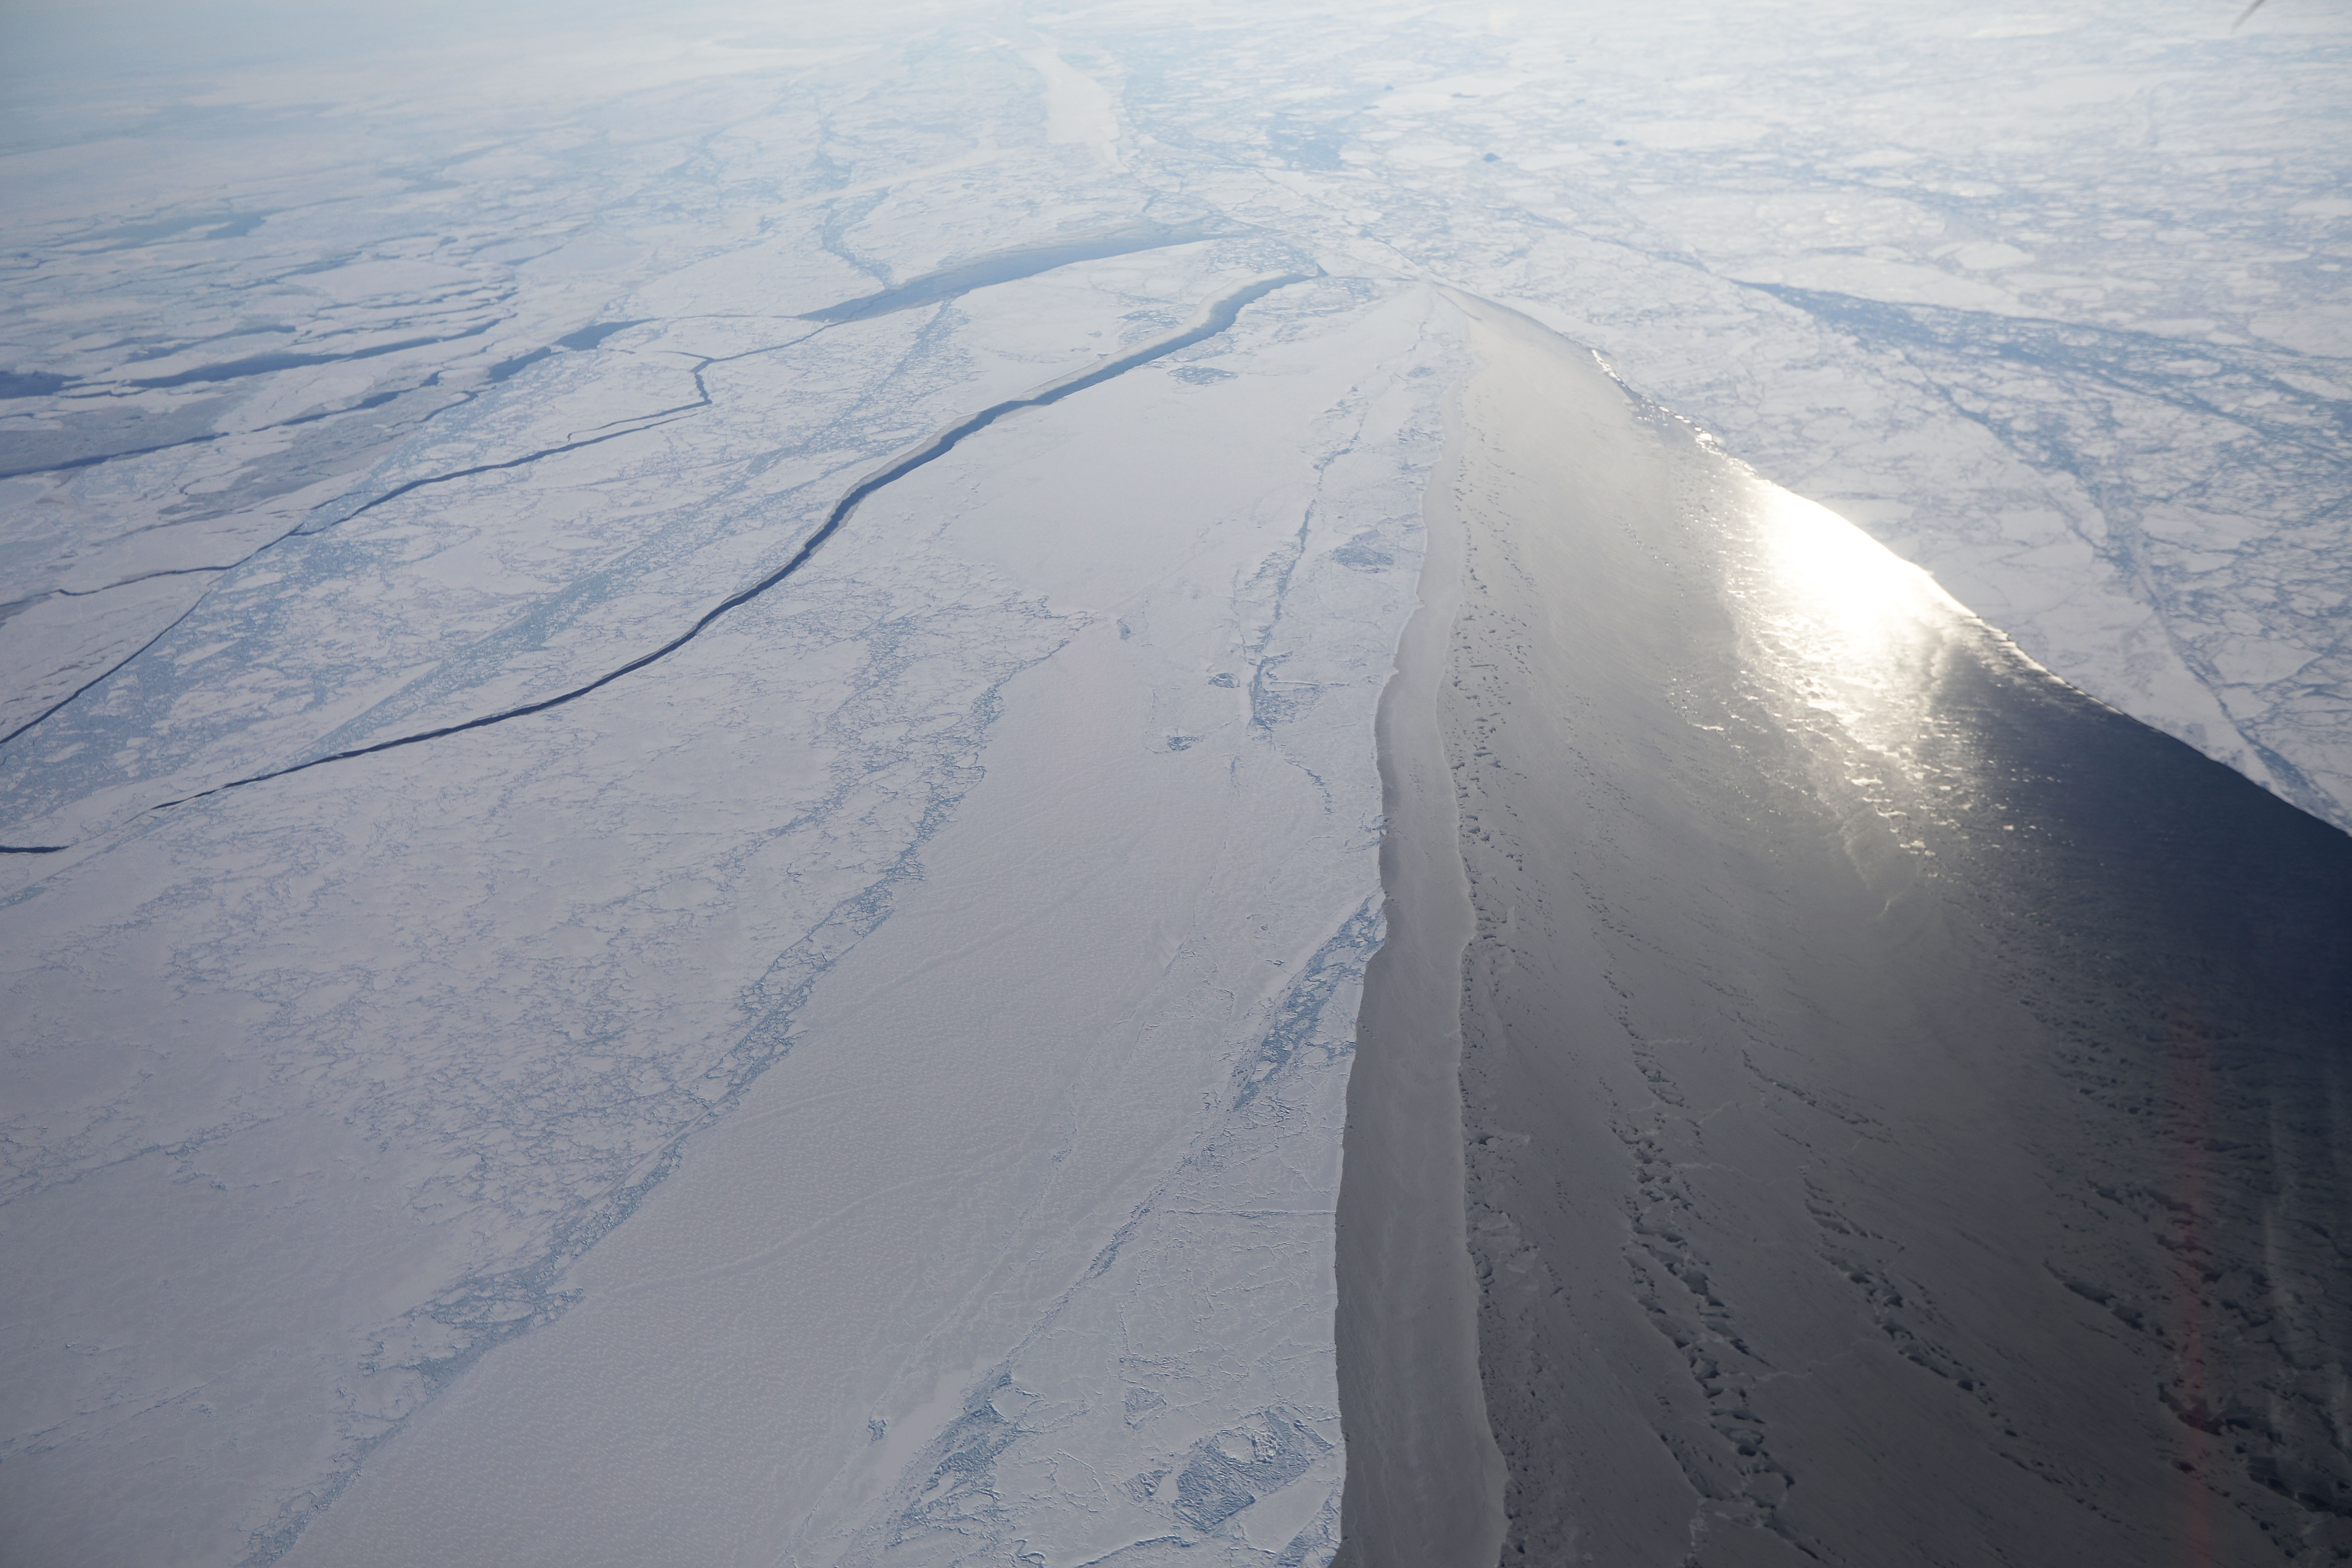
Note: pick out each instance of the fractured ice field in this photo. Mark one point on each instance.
(934, 783)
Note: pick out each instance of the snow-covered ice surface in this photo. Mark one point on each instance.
(926, 989)
(863, 1082)
(1027, 1239)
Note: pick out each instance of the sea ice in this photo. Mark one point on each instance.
(455, 1116)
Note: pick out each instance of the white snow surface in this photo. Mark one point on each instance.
(866, 1086)
(994, 894)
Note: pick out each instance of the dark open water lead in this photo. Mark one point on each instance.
(1905, 1100)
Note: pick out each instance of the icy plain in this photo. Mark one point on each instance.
(854, 1072)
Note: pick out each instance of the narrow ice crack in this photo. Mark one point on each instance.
(1267, 700)
(131, 581)
(311, 529)
(1216, 317)
(653, 421)
(941, 288)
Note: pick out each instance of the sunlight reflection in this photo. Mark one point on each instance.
(1845, 645)
(1851, 629)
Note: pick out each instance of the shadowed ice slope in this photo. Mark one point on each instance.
(1905, 1099)
(1424, 1480)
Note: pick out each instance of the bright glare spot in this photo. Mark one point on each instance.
(1845, 644)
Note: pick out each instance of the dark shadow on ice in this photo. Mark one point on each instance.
(587, 338)
(1006, 266)
(264, 364)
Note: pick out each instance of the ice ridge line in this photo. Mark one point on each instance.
(1219, 315)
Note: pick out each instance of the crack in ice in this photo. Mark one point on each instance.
(1215, 318)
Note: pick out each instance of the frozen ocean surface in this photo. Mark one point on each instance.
(650, 1034)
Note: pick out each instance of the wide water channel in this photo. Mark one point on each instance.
(1903, 1100)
